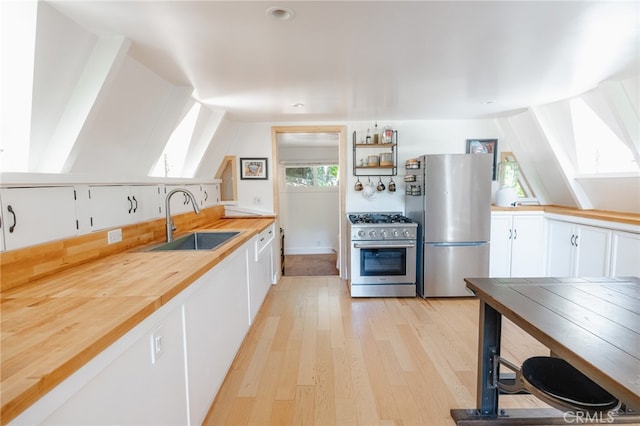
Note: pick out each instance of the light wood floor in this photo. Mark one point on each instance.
(315, 356)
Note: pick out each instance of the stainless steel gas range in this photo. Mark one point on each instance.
(382, 257)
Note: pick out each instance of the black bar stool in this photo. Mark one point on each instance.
(559, 384)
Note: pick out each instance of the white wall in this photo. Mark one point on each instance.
(310, 221)
(60, 42)
(415, 138)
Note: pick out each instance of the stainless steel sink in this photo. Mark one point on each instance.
(197, 241)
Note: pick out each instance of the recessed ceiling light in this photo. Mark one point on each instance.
(281, 13)
(488, 102)
(298, 105)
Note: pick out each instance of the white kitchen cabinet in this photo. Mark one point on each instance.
(209, 194)
(577, 250)
(1, 225)
(122, 385)
(625, 254)
(133, 389)
(146, 202)
(216, 322)
(261, 276)
(36, 215)
(517, 245)
(111, 206)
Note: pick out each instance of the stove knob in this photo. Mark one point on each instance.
(406, 233)
(383, 234)
(395, 233)
(361, 233)
(372, 234)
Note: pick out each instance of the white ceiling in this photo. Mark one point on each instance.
(367, 60)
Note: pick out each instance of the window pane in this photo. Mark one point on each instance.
(327, 175)
(598, 148)
(298, 176)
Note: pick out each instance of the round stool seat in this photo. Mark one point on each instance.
(562, 386)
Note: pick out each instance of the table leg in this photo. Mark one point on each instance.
(489, 345)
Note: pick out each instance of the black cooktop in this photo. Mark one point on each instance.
(378, 218)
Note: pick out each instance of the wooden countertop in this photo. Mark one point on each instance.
(610, 216)
(53, 326)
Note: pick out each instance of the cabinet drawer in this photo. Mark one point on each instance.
(264, 238)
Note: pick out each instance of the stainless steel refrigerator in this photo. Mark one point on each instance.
(450, 199)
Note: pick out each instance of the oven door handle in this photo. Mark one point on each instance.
(383, 246)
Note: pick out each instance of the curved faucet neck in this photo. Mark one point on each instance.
(167, 209)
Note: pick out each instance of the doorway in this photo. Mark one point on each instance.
(306, 265)
(308, 198)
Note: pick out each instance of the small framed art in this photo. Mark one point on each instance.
(253, 168)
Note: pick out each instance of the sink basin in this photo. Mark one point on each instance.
(197, 241)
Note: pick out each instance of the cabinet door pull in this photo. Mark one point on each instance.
(510, 233)
(135, 208)
(573, 243)
(206, 196)
(130, 204)
(12, 227)
(515, 234)
(576, 240)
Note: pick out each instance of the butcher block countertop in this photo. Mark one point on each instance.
(611, 216)
(54, 325)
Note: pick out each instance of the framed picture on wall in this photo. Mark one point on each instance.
(484, 146)
(253, 168)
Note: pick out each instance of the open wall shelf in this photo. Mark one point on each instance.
(375, 159)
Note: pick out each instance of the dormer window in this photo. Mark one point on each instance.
(171, 162)
(598, 149)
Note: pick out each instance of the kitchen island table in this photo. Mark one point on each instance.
(592, 323)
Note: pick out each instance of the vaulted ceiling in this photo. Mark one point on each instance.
(353, 60)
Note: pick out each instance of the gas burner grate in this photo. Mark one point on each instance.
(377, 218)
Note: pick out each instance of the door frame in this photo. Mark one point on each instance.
(342, 132)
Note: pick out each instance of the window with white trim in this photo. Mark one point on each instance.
(311, 177)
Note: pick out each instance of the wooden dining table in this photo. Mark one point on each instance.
(592, 323)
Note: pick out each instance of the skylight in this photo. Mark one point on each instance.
(17, 35)
(599, 150)
(171, 162)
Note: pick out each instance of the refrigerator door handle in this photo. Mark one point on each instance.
(464, 244)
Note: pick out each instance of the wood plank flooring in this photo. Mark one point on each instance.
(315, 356)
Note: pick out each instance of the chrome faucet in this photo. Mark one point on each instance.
(167, 209)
